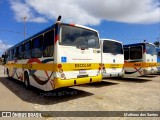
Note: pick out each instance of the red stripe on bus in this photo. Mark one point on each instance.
(56, 38)
(71, 24)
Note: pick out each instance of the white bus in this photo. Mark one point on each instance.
(140, 59)
(59, 56)
(112, 58)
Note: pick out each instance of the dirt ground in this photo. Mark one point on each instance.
(118, 94)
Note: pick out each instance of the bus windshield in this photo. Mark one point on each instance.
(79, 37)
(136, 52)
(150, 49)
(112, 47)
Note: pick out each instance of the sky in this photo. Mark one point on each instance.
(128, 21)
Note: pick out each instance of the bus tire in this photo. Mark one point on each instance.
(26, 81)
(7, 73)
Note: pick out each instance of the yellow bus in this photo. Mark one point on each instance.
(140, 59)
(62, 55)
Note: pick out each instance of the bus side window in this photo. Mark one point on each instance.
(20, 52)
(126, 53)
(12, 54)
(48, 44)
(27, 50)
(37, 47)
(8, 53)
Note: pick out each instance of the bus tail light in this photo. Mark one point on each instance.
(59, 66)
(60, 70)
(62, 75)
(99, 68)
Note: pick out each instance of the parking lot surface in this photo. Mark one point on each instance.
(118, 94)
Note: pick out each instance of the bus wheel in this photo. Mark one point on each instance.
(26, 81)
(7, 73)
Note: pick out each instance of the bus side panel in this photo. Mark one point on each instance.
(40, 74)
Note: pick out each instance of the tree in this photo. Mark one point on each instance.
(157, 43)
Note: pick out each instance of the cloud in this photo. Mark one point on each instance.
(21, 9)
(90, 12)
(4, 46)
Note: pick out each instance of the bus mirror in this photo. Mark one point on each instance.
(59, 18)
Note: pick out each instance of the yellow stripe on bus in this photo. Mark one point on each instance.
(113, 65)
(46, 67)
(78, 66)
(140, 64)
(54, 66)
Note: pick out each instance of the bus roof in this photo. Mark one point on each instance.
(136, 44)
(103, 39)
(77, 25)
(47, 29)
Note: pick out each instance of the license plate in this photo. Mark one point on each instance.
(82, 72)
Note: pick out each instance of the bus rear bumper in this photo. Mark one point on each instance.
(77, 81)
(108, 75)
